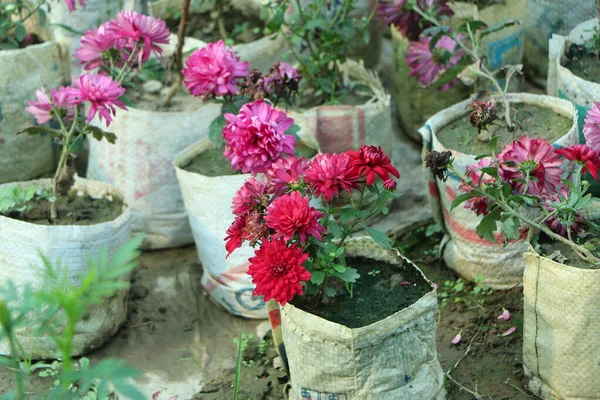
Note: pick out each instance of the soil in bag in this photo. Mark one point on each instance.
(563, 254)
(529, 119)
(583, 63)
(382, 290)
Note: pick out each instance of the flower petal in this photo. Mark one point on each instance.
(509, 331)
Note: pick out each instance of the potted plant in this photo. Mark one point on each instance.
(503, 115)
(532, 185)
(308, 261)
(342, 104)
(25, 64)
(68, 218)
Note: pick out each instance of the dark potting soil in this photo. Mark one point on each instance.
(155, 101)
(238, 27)
(375, 296)
(529, 119)
(583, 63)
(73, 210)
(564, 254)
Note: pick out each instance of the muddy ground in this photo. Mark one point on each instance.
(184, 343)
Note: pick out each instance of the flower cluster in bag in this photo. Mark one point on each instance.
(531, 183)
(299, 213)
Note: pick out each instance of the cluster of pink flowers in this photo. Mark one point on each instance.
(214, 70)
(99, 92)
(535, 168)
(275, 212)
(408, 22)
(129, 37)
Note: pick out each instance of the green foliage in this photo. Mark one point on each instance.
(459, 292)
(13, 15)
(54, 310)
(18, 200)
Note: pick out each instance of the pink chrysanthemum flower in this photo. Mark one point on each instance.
(135, 28)
(214, 70)
(42, 108)
(426, 66)
(253, 194)
(330, 174)
(408, 22)
(478, 204)
(255, 138)
(390, 185)
(534, 160)
(72, 6)
(94, 47)
(291, 215)
(591, 127)
(371, 162)
(287, 173)
(561, 222)
(277, 271)
(101, 92)
(584, 155)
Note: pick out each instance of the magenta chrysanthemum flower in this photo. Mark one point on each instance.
(277, 271)
(135, 28)
(591, 127)
(534, 160)
(478, 204)
(390, 185)
(214, 70)
(71, 4)
(101, 92)
(42, 108)
(255, 138)
(286, 174)
(584, 155)
(426, 66)
(330, 174)
(94, 46)
(371, 162)
(291, 215)
(253, 194)
(408, 22)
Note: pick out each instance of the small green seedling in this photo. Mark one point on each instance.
(17, 199)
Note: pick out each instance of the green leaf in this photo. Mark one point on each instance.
(510, 228)
(275, 23)
(29, 192)
(461, 198)
(67, 28)
(329, 291)
(348, 213)
(20, 32)
(215, 130)
(350, 275)
(317, 277)
(475, 25)
(487, 226)
(448, 76)
(381, 238)
(335, 229)
(339, 268)
(99, 133)
(42, 16)
(34, 130)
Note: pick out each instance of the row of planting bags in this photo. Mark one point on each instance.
(176, 207)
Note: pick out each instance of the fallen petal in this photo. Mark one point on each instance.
(435, 285)
(404, 283)
(505, 316)
(509, 331)
(456, 339)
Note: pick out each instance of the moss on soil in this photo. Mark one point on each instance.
(73, 210)
(375, 297)
(582, 63)
(532, 120)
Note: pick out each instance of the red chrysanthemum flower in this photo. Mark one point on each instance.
(291, 214)
(591, 127)
(286, 174)
(533, 159)
(235, 234)
(249, 227)
(585, 155)
(370, 162)
(330, 174)
(254, 193)
(478, 204)
(277, 271)
(390, 185)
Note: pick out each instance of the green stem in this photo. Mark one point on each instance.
(127, 68)
(32, 12)
(63, 157)
(18, 372)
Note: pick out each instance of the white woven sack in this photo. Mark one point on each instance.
(565, 84)
(547, 17)
(67, 246)
(560, 332)
(392, 359)
(22, 72)
(344, 127)
(208, 203)
(463, 250)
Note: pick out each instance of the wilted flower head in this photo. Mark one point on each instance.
(427, 66)
(483, 114)
(256, 138)
(95, 47)
(254, 194)
(409, 22)
(438, 163)
(287, 174)
(101, 92)
(214, 70)
(370, 162)
(255, 85)
(533, 161)
(283, 80)
(478, 178)
(42, 108)
(591, 127)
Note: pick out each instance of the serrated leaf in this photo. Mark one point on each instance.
(381, 238)
(487, 226)
(215, 130)
(448, 76)
(275, 23)
(510, 228)
(317, 277)
(33, 130)
(335, 229)
(350, 275)
(461, 198)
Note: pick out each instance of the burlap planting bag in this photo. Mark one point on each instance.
(560, 333)
(462, 248)
(70, 246)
